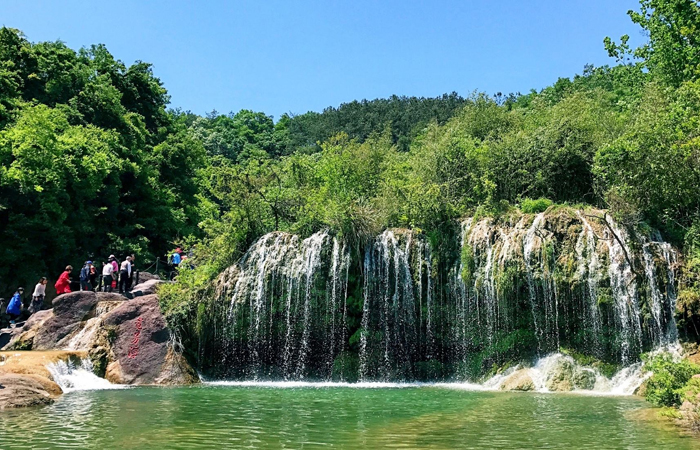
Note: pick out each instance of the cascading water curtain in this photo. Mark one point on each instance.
(286, 317)
(523, 287)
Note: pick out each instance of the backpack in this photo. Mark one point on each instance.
(85, 273)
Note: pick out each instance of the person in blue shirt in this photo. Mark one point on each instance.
(175, 260)
(14, 308)
(85, 277)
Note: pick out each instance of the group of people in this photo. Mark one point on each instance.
(112, 276)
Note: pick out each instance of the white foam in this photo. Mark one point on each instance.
(78, 377)
(624, 383)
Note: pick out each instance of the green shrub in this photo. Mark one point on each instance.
(530, 206)
(666, 386)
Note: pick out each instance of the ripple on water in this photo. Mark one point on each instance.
(403, 416)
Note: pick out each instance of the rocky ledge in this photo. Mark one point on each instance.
(126, 340)
(25, 380)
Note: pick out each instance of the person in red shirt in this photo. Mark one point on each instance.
(63, 284)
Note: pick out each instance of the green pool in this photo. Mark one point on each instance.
(224, 417)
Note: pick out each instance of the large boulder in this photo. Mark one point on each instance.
(22, 338)
(563, 375)
(140, 350)
(25, 379)
(146, 276)
(18, 391)
(64, 326)
(559, 376)
(146, 288)
(520, 380)
(69, 311)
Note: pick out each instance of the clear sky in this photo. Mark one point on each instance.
(297, 56)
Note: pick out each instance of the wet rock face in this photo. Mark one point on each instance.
(520, 380)
(564, 375)
(141, 349)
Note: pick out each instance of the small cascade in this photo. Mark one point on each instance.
(286, 317)
(624, 292)
(84, 338)
(71, 376)
(561, 373)
(588, 272)
(661, 290)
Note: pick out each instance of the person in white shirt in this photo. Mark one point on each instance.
(107, 270)
(38, 296)
(124, 274)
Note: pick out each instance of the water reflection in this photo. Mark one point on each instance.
(258, 417)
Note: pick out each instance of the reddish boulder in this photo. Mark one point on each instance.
(141, 351)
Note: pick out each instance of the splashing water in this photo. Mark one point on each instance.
(78, 377)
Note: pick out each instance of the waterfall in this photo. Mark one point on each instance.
(624, 290)
(391, 339)
(497, 291)
(589, 272)
(528, 248)
(662, 304)
(285, 318)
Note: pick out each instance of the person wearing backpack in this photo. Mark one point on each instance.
(14, 308)
(85, 277)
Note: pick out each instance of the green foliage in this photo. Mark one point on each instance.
(530, 206)
(673, 50)
(90, 162)
(404, 116)
(667, 385)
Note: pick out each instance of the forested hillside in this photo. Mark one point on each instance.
(92, 162)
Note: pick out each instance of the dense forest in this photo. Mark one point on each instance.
(92, 161)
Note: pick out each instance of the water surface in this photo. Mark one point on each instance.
(262, 417)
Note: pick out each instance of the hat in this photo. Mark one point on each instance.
(111, 256)
(20, 288)
(88, 262)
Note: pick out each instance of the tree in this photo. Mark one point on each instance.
(673, 50)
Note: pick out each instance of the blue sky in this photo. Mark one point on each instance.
(298, 56)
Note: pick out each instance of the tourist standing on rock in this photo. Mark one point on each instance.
(130, 281)
(115, 271)
(93, 277)
(107, 271)
(85, 277)
(124, 275)
(63, 284)
(14, 308)
(38, 296)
